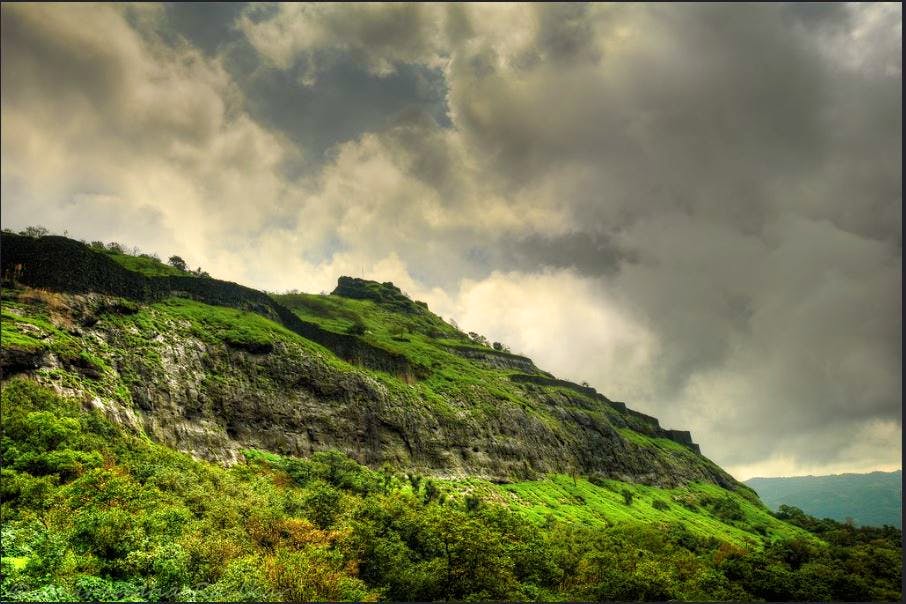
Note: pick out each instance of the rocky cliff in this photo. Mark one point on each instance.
(211, 368)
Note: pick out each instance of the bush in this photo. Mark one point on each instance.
(322, 505)
(627, 496)
(356, 329)
(177, 263)
(431, 491)
(243, 580)
(660, 504)
(724, 508)
(34, 231)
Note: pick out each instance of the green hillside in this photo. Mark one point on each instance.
(872, 499)
(175, 437)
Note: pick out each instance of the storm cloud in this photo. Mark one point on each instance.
(695, 208)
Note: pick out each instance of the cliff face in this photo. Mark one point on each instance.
(211, 380)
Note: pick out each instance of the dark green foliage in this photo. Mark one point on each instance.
(34, 231)
(177, 263)
(431, 491)
(322, 505)
(119, 518)
(724, 508)
(660, 504)
(472, 503)
(356, 329)
(415, 480)
(627, 496)
(478, 338)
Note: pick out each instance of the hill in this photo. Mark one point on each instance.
(872, 499)
(167, 435)
(212, 367)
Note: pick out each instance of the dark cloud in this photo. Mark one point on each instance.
(210, 26)
(346, 101)
(588, 253)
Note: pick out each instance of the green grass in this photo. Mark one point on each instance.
(561, 498)
(28, 327)
(144, 265)
(424, 339)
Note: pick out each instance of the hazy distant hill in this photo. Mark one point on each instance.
(872, 499)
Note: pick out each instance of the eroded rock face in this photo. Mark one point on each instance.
(13, 361)
(213, 400)
(496, 360)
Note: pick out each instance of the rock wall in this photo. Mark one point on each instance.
(496, 359)
(61, 264)
(638, 421)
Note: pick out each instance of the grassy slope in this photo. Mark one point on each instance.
(143, 264)
(602, 505)
(422, 337)
(428, 340)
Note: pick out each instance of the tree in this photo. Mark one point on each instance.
(431, 491)
(478, 338)
(177, 263)
(322, 505)
(356, 329)
(34, 231)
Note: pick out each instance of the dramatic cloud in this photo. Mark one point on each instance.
(695, 208)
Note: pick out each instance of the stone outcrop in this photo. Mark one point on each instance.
(496, 359)
(385, 294)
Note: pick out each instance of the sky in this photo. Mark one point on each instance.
(696, 208)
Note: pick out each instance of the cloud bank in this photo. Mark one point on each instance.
(695, 208)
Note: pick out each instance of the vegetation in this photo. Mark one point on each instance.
(94, 510)
(92, 513)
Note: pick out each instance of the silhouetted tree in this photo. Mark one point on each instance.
(177, 262)
(34, 231)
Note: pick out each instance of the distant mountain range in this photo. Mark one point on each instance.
(872, 499)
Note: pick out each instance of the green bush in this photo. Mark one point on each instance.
(322, 504)
(627, 496)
